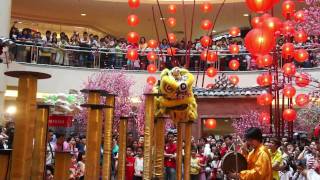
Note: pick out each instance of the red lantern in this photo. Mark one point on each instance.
(289, 91)
(133, 20)
(211, 123)
(171, 22)
(212, 56)
(152, 56)
(234, 31)
(288, 8)
(152, 68)
(266, 60)
(205, 41)
(264, 99)
(302, 80)
(299, 16)
(234, 79)
(259, 41)
(259, 80)
(203, 55)
(256, 22)
(300, 36)
(133, 37)
(301, 55)
(287, 50)
(289, 115)
(234, 49)
(172, 9)
(133, 4)
(211, 72)
(132, 54)
(287, 28)
(302, 100)
(265, 79)
(264, 118)
(289, 69)
(172, 38)
(234, 64)
(259, 6)
(206, 24)
(273, 24)
(206, 7)
(210, 86)
(171, 51)
(152, 43)
(151, 80)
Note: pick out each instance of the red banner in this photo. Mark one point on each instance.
(60, 121)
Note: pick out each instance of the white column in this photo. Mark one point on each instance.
(5, 17)
(2, 89)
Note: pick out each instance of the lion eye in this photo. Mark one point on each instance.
(168, 88)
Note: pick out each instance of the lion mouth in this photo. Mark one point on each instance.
(179, 107)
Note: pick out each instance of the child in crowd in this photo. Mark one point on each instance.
(130, 161)
(138, 164)
(195, 165)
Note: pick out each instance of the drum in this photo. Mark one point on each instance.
(233, 162)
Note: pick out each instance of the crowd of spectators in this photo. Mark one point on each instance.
(89, 50)
(296, 159)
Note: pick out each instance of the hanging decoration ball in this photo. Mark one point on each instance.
(259, 6)
(172, 8)
(264, 118)
(234, 49)
(234, 31)
(206, 24)
(211, 72)
(234, 79)
(289, 115)
(172, 38)
(211, 123)
(171, 51)
(287, 50)
(172, 22)
(206, 7)
(133, 4)
(289, 69)
(265, 79)
(287, 28)
(132, 54)
(288, 8)
(267, 60)
(256, 22)
(259, 41)
(300, 36)
(203, 55)
(302, 100)
(205, 41)
(259, 80)
(133, 37)
(212, 56)
(152, 56)
(302, 80)
(301, 55)
(152, 68)
(133, 20)
(299, 16)
(152, 43)
(289, 91)
(272, 24)
(234, 64)
(264, 99)
(151, 80)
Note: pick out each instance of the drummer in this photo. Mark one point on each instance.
(259, 159)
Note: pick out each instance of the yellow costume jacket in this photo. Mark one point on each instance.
(259, 165)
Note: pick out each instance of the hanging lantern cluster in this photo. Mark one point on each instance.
(133, 37)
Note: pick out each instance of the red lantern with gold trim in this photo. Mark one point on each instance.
(234, 49)
(211, 123)
(211, 72)
(172, 22)
(302, 80)
(289, 91)
(151, 80)
(256, 22)
(289, 115)
(172, 38)
(301, 55)
(264, 99)
(133, 4)
(302, 100)
(152, 56)
(299, 16)
(152, 43)
(205, 41)
(287, 50)
(133, 37)
(300, 36)
(206, 24)
(132, 54)
(259, 41)
(234, 64)
(289, 69)
(234, 79)
(152, 68)
(234, 31)
(206, 7)
(172, 8)
(259, 6)
(288, 8)
(133, 20)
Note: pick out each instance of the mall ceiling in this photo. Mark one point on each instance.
(110, 15)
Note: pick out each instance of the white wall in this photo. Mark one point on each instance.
(65, 78)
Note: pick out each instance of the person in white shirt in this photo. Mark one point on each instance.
(138, 165)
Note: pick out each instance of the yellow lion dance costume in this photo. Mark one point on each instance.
(177, 98)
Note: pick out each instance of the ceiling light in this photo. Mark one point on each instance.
(83, 14)
(214, 31)
(11, 110)
(162, 19)
(19, 22)
(245, 15)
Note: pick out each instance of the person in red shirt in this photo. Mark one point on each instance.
(129, 164)
(170, 158)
